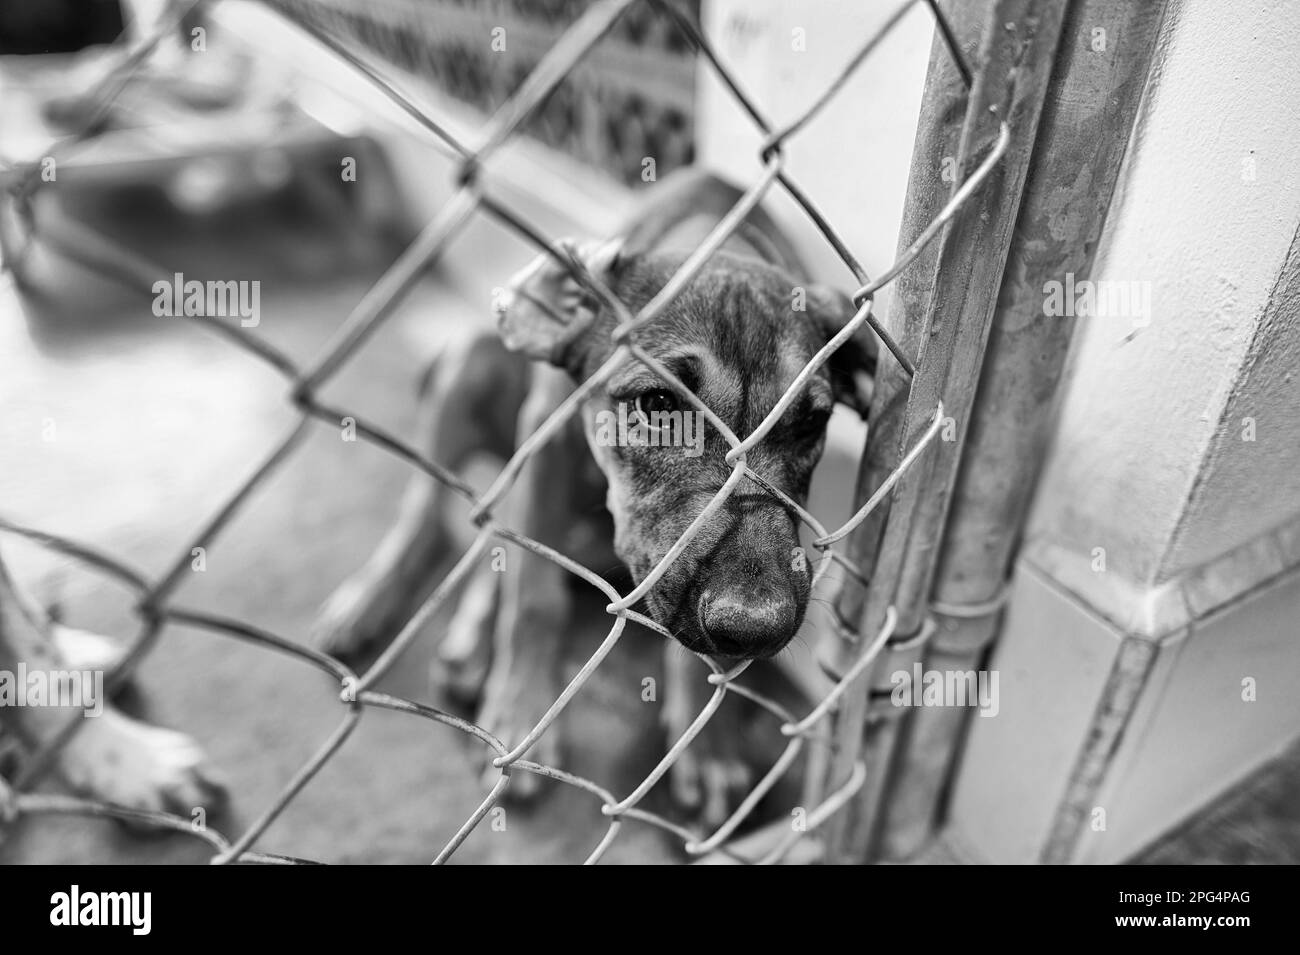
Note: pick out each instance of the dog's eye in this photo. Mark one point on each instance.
(658, 401)
(812, 425)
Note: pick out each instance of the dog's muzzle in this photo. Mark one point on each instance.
(750, 622)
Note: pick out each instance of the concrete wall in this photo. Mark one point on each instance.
(1135, 671)
(1150, 463)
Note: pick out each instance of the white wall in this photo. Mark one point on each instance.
(1149, 463)
(853, 159)
(1198, 526)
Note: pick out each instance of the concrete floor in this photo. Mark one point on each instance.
(155, 422)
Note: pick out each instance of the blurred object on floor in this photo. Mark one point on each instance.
(202, 117)
(57, 26)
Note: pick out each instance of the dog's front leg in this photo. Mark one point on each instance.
(525, 676)
(471, 399)
(465, 653)
(712, 775)
(536, 604)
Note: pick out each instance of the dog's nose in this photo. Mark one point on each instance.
(747, 624)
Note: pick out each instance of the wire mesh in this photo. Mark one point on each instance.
(155, 605)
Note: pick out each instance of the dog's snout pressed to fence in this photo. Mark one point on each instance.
(474, 195)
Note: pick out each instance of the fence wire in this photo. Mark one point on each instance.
(155, 606)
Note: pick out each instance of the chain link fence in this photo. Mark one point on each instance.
(155, 604)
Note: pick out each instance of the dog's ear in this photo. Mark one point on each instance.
(853, 365)
(545, 309)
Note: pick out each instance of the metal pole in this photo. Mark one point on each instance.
(1092, 102)
(934, 151)
(1015, 59)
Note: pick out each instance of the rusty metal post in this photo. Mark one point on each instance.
(1093, 96)
(1016, 50)
(938, 136)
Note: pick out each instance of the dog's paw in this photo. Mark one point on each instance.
(349, 621)
(712, 776)
(133, 764)
(8, 806)
(464, 658)
(510, 715)
(83, 650)
(459, 679)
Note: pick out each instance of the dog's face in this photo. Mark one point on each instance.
(737, 336)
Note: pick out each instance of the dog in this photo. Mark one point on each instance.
(110, 757)
(736, 336)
